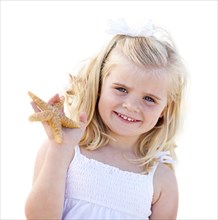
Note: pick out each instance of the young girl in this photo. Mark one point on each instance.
(119, 163)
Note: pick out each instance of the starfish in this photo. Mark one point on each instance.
(53, 114)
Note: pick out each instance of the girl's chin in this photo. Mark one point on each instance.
(123, 133)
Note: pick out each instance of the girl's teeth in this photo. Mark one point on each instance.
(126, 118)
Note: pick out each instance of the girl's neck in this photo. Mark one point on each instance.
(124, 144)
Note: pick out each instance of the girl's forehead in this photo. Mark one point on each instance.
(133, 74)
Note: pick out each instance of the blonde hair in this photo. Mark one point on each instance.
(148, 52)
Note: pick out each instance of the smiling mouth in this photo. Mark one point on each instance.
(126, 118)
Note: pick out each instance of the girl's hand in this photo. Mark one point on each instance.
(70, 136)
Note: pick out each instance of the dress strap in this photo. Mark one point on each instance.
(164, 157)
(77, 150)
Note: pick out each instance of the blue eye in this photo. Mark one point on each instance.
(149, 99)
(121, 89)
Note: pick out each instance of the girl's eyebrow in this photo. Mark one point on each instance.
(121, 85)
(147, 94)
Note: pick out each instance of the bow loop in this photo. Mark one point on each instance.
(137, 29)
(164, 157)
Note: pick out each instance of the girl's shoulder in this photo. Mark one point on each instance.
(165, 188)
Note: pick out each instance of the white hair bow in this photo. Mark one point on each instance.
(121, 27)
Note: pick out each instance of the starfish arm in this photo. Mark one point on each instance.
(55, 124)
(40, 103)
(67, 122)
(41, 116)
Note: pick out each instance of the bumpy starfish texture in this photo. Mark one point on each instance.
(53, 114)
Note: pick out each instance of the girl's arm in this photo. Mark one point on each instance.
(46, 198)
(165, 203)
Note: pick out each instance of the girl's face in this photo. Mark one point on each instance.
(132, 99)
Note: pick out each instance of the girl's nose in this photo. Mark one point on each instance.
(131, 106)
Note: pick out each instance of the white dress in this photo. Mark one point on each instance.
(95, 190)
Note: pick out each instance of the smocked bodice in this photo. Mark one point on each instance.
(95, 190)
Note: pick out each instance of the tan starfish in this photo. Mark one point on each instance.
(53, 114)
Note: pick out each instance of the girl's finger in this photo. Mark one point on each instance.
(35, 107)
(54, 99)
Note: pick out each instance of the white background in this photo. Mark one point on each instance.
(42, 41)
